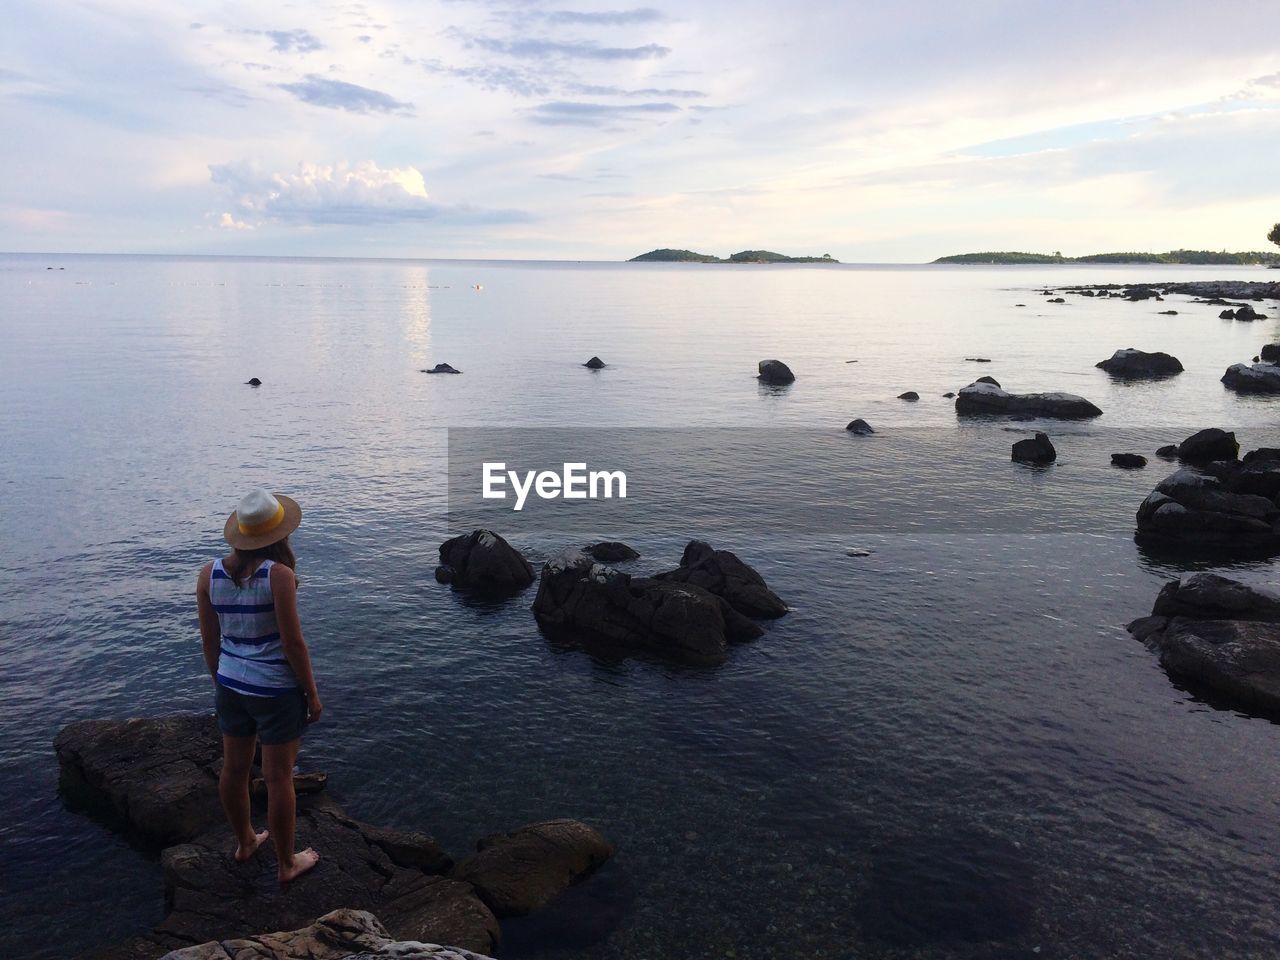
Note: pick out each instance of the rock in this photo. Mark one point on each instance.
(1262, 454)
(1128, 461)
(1191, 512)
(859, 428)
(776, 372)
(978, 359)
(339, 933)
(1168, 452)
(949, 395)
(1141, 293)
(1208, 596)
(1259, 378)
(1246, 312)
(987, 399)
(991, 380)
(157, 777)
(909, 395)
(485, 560)
(1227, 315)
(253, 382)
(1270, 353)
(1236, 660)
(595, 363)
(611, 551)
(1208, 445)
(1019, 304)
(442, 368)
(304, 784)
(1131, 364)
(1037, 449)
(1058, 300)
(588, 604)
(1235, 289)
(1260, 477)
(857, 552)
(724, 575)
(1168, 313)
(519, 872)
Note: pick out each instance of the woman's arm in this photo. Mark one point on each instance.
(284, 591)
(210, 629)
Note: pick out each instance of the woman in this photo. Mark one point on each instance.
(264, 689)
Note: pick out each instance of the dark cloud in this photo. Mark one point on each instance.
(543, 48)
(292, 41)
(609, 18)
(573, 113)
(340, 95)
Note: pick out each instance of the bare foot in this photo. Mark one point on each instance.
(302, 862)
(243, 853)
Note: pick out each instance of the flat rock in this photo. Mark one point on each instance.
(338, 934)
(1131, 364)
(723, 574)
(442, 368)
(1258, 378)
(776, 372)
(519, 872)
(482, 559)
(988, 399)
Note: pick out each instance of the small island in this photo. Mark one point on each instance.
(668, 255)
(1254, 258)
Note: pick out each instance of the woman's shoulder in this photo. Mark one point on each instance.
(279, 574)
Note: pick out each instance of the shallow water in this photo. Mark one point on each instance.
(957, 719)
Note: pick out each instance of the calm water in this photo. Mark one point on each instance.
(959, 715)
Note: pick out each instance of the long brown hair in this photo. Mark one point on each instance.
(243, 560)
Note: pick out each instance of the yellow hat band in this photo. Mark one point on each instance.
(253, 529)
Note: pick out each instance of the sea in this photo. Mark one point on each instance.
(948, 748)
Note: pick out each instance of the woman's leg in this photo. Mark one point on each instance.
(277, 770)
(233, 790)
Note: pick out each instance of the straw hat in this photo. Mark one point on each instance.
(261, 519)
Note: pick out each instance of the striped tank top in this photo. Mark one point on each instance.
(252, 660)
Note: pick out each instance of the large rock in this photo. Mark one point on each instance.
(988, 399)
(1131, 364)
(1270, 352)
(483, 559)
(1205, 446)
(518, 872)
(1258, 378)
(338, 934)
(586, 602)
(775, 371)
(1193, 512)
(722, 573)
(1208, 596)
(1037, 450)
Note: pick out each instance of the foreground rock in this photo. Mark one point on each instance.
(1220, 635)
(776, 372)
(484, 560)
(1205, 446)
(1258, 378)
(989, 399)
(338, 934)
(1191, 511)
(157, 778)
(1131, 364)
(611, 551)
(723, 574)
(1035, 450)
(522, 871)
(442, 368)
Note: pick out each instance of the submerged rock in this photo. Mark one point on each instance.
(587, 603)
(1038, 450)
(988, 399)
(1128, 461)
(485, 560)
(723, 574)
(595, 363)
(859, 428)
(611, 551)
(776, 372)
(1131, 364)
(442, 368)
(339, 933)
(980, 359)
(1207, 445)
(519, 872)
(1189, 511)
(1259, 378)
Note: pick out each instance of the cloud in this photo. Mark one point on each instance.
(342, 193)
(609, 18)
(293, 41)
(541, 48)
(597, 90)
(340, 95)
(574, 113)
(523, 83)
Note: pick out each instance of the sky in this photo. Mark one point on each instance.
(872, 131)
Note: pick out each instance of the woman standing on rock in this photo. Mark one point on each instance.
(264, 689)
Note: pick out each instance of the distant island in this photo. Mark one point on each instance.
(1207, 257)
(667, 255)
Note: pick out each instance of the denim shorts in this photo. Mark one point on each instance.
(274, 719)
